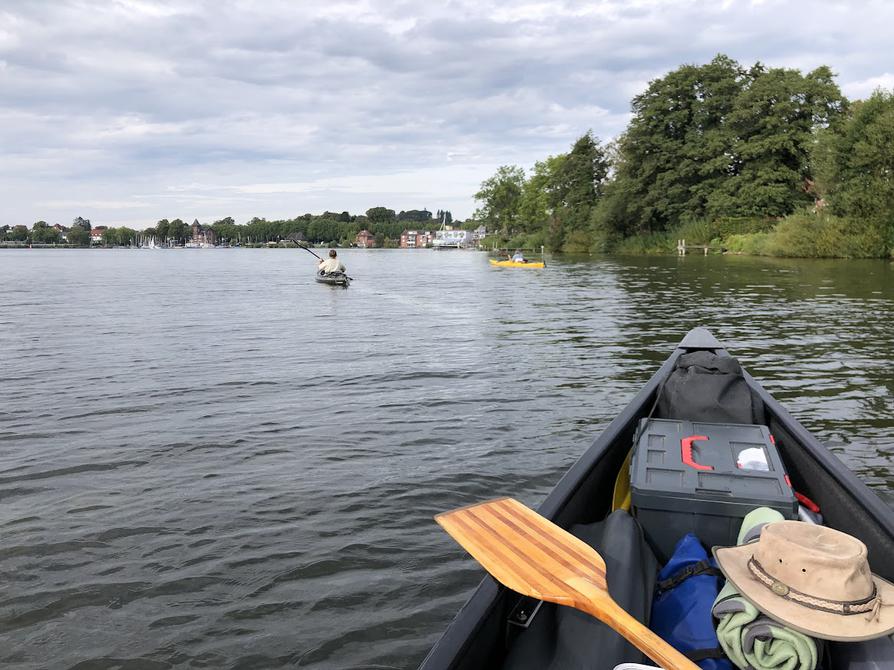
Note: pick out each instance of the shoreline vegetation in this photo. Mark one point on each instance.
(757, 161)
(332, 229)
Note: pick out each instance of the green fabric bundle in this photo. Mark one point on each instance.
(750, 639)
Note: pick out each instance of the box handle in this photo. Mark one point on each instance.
(686, 452)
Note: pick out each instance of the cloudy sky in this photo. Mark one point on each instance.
(127, 111)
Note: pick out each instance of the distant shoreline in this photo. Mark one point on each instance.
(697, 251)
(99, 247)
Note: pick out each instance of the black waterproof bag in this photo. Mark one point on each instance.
(706, 387)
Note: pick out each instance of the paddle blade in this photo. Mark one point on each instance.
(535, 557)
(526, 552)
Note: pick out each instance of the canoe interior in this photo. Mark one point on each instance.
(479, 636)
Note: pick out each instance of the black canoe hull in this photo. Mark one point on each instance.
(475, 639)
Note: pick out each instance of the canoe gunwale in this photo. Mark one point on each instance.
(873, 505)
(477, 611)
(568, 503)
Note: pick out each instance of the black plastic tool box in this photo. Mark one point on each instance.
(686, 478)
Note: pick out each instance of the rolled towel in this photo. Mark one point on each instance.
(750, 639)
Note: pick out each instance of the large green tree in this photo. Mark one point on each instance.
(226, 229)
(578, 184)
(162, 229)
(178, 231)
(78, 236)
(122, 236)
(418, 215)
(538, 196)
(855, 168)
(774, 122)
(19, 233)
(42, 233)
(381, 215)
(718, 140)
(500, 198)
(676, 148)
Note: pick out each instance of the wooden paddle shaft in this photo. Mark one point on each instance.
(533, 556)
(610, 613)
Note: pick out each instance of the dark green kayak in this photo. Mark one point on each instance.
(333, 278)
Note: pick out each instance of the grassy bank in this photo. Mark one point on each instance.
(802, 235)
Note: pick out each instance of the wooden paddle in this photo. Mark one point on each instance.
(534, 557)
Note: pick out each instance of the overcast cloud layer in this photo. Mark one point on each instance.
(128, 111)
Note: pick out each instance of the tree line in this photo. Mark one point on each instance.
(332, 228)
(756, 159)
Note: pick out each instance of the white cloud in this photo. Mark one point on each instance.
(77, 205)
(865, 88)
(145, 108)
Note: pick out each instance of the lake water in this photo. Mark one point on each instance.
(208, 460)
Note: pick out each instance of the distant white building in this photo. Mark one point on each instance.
(452, 239)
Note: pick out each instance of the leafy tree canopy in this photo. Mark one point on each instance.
(855, 166)
(78, 236)
(420, 215)
(719, 140)
(500, 198)
(381, 215)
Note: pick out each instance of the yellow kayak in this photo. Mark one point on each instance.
(516, 264)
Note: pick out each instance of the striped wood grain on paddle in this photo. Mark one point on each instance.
(533, 556)
(484, 530)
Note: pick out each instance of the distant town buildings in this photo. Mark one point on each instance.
(365, 239)
(202, 236)
(414, 239)
(197, 235)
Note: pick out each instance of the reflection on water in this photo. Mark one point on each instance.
(208, 460)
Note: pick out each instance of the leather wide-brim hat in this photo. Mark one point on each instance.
(813, 579)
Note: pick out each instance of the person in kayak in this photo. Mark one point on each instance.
(519, 257)
(331, 264)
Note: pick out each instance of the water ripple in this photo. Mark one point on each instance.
(206, 460)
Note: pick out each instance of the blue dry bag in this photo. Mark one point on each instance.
(681, 609)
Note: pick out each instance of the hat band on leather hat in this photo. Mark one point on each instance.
(872, 603)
